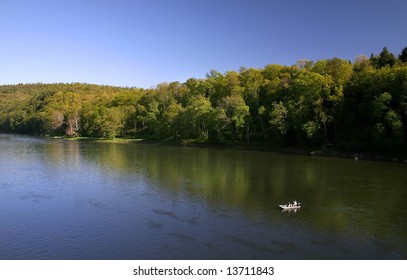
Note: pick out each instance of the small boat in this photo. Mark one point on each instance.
(290, 205)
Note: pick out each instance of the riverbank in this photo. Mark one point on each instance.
(329, 150)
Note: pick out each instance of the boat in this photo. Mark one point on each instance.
(290, 205)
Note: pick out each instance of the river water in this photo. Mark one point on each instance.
(63, 199)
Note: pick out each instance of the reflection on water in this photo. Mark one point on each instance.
(84, 200)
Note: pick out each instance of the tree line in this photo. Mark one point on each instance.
(359, 105)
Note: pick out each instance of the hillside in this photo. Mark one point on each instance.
(360, 106)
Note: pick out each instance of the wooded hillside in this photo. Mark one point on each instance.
(360, 106)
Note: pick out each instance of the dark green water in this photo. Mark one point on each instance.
(83, 200)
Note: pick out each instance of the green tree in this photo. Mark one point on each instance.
(386, 58)
(311, 128)
(111, 122)
(236, 112)
(171, 119)
(252, 82)
(403, 55)
(148, 113)
(340, 70)
(309, 100)
(91, 121)
(278, 117)
(198, 118)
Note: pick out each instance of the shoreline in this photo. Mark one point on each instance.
(321, 152)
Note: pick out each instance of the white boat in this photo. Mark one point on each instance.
(290, 205)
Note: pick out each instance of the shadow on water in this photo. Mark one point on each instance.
(358, 199)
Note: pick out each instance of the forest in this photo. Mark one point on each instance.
(358, 106)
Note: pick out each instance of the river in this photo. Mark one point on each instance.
(63, 199)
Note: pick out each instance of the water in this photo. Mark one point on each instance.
(64, 199)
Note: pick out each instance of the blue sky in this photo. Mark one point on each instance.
(145, 42)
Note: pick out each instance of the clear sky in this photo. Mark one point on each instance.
(145, 42)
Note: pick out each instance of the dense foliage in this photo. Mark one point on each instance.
(359, 106)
